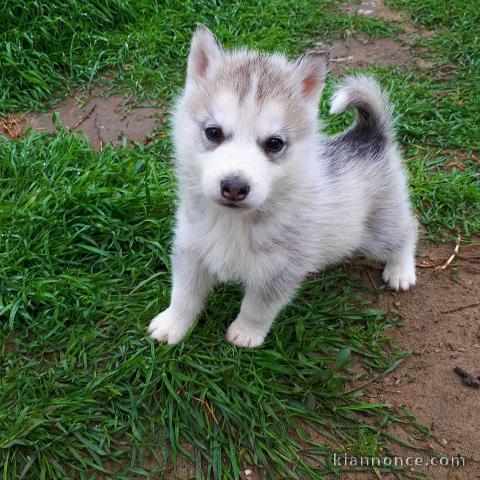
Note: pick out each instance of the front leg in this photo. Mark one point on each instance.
(191, 284)
(257, 313)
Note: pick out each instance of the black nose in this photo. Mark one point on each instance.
(234, 188)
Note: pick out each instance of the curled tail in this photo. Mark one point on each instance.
(374, 110)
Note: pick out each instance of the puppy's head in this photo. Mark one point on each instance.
(245, 122)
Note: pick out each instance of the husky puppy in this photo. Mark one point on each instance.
(265, 198)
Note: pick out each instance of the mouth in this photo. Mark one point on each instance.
(231, 205)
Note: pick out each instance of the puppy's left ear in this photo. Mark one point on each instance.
(311, 70)
(205, 54)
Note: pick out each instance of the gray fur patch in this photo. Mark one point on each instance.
(385, 237)
(359, 144)
(280, 286)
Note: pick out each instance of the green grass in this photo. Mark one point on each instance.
(439, 117)
(84, 266)
(43, 44)
(84, 256)
(48, 47)
(455, 25)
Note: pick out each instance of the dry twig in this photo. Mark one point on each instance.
(377, 472)
(210, 411)
(467, 378)
(452, 256)
(371, 279)
(11, 126)
(462, 307)
(89, 114)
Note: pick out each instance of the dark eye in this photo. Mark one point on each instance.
(214, 134)
(274, 144)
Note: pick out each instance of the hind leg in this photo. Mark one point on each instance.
(399, 271)
(395, 243)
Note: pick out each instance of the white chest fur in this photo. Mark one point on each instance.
(231, 247)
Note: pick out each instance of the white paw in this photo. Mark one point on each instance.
(242, 334)
(399, 276)
(168, 327)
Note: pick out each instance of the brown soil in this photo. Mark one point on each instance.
(442, 326)
(103, 119)
(362, 51)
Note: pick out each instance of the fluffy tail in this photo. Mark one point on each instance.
(374, 109)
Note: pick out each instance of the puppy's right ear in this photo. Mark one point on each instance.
(205, 54)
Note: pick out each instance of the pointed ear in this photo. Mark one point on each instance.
(312, 68)
(205, 53)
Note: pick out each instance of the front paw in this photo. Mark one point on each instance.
(168, 327)
(243, 334)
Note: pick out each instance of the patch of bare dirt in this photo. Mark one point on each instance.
(442, 325)
(103, 119)
(362, 51)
